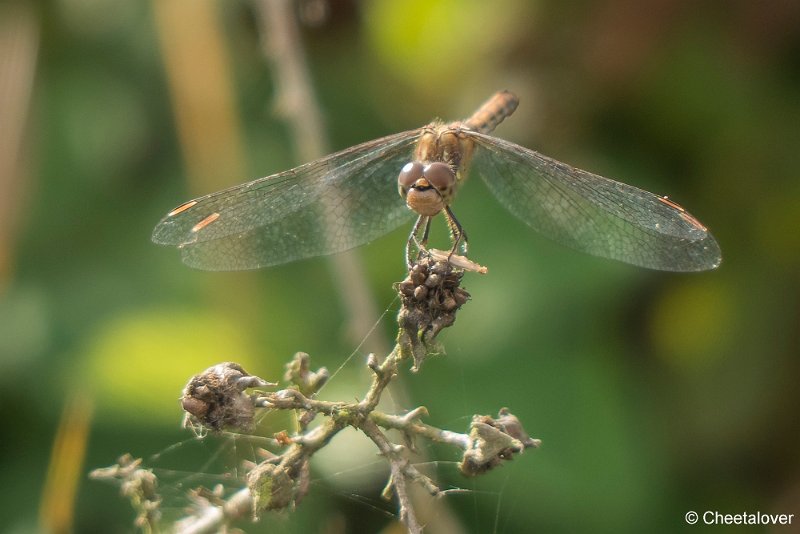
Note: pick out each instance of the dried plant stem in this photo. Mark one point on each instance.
(217, 399)
(296, 102)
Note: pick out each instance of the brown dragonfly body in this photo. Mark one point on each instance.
(439, 166)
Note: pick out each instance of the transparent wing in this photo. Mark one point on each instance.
(329, 205)
(591, 213)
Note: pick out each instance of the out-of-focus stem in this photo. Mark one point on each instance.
(19, 45)
(295, 101)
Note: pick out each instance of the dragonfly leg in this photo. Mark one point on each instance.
(457, 232)
(423, 227)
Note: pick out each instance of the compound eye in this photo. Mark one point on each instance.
(409, 174)
(440, 175)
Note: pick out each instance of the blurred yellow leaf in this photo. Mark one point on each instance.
(137, 365)
(433, 44)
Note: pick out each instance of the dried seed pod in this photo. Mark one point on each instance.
(433, 280)
(215, 398)
(494, 441)
(420, 292)
(431, 304)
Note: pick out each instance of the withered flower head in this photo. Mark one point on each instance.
(430, 296)
(493, 441)
(215, 398)
(278, 486)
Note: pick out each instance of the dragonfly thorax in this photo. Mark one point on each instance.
(426, 188)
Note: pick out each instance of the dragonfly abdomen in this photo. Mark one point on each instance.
(501, 105)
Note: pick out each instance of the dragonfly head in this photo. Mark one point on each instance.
(427, 189)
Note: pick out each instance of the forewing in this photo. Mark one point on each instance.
(591, 213)
(329, 205)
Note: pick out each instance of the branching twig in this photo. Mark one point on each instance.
(217, 399)
(139, 485)
(398, 477)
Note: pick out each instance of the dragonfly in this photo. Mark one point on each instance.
(350, 198)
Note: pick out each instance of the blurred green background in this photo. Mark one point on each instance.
(654, 393)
